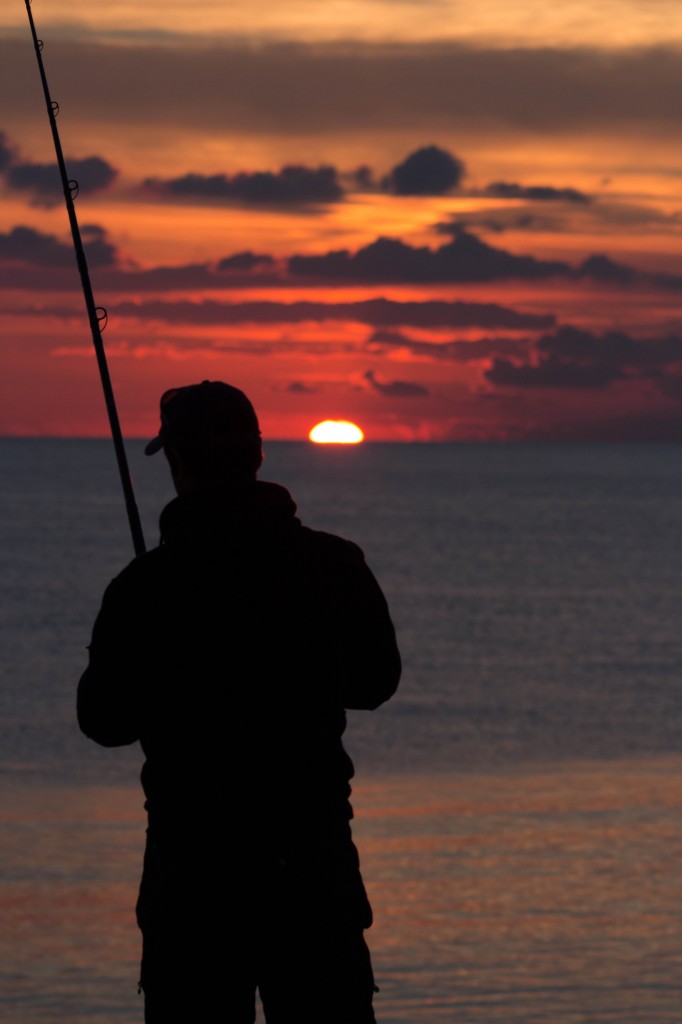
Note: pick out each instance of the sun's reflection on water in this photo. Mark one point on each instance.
(500, 898)
(529, 896)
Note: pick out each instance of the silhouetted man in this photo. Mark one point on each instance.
(230, 652)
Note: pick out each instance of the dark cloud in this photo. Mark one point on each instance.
(594, 216)
(42, 180)
(190, 276)
(536, 193)
(636, 216)
(98, 249)
(7, 155)
(550, 372)
(297, 387)
(396, 388)
(291, 185)
(25, 245)
(245, 261)
(429, 171)
(383, 340)
(362, 178)
(605, 270)
(383, 261)
(373, 312)
(498, 221)
(614, 348)
(671, 387)
(577, 359)
(457, 351)
(465, 258)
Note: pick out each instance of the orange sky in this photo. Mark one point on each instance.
(479, 238)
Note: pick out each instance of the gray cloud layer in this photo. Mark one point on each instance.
(335, 88)
(456, 351)
(374, 312)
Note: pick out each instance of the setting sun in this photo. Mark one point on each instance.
(336, 432)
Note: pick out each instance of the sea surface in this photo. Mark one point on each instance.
(518, 802)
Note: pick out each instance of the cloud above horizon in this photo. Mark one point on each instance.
(291, 185)
(535, 193)
(377, 312)
(395, 388)
(42, 182)
(576, 359)
(28, 246)
(466, 258)
(458, 351)
(429, 171)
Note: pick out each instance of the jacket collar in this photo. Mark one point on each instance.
(256, 506)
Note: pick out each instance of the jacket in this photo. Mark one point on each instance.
(231, 652)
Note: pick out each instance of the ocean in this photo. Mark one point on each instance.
(517, 802)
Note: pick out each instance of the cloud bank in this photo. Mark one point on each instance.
(324, 89)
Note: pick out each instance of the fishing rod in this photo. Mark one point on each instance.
(97, 315)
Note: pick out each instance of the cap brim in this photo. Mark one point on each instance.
(154, 446)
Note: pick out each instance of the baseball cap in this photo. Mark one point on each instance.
(201, 415)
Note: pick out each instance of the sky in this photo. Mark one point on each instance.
(442, 221)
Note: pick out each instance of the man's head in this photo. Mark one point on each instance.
(210, 434)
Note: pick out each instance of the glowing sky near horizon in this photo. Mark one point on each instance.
(535, 295)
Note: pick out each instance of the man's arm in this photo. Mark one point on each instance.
(364, 648)
(109, 693)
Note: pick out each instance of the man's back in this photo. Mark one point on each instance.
(231, 652)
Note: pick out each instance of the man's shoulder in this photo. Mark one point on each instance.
(165, 567)
(330, 545)
(151, 565)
